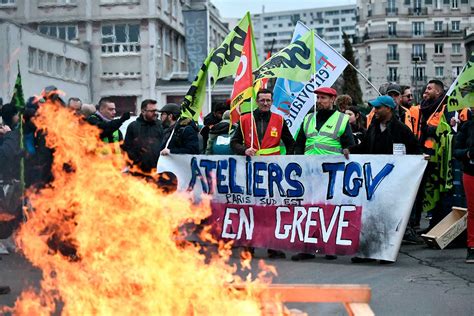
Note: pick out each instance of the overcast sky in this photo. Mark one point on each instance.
(237, 8)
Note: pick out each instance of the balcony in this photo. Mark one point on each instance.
(422, 79)
(417, 11)
(393, 57)
(391, 11)
(421, 56)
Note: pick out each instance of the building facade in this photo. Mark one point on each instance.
(276, 28)
(42, 60)
(133, 44)
(411, 41)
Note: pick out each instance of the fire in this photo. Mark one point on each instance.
(107, 243)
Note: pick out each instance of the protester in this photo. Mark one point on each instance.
(432, 113)
(210, 120)
(325, 132)
(343, 102)
(74, 104)
(409, 113)
(10, 158)
(357, 123)
(220, 136)
(103, 118)
(464, 151)
(385, 136)
(144, 137)
(181, 135)
(269, 130)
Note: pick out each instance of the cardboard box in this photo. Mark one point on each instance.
(448, 229)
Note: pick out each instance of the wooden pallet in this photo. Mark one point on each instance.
(355, 298)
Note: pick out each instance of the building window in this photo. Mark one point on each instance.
(439, 71)
(456, 48)
(392, 74)
(457, 70)
(438, 48)
(49, 63)
(57, 2)
(118, 1)
(64, 32)
(158, 41)
(31, 58)
(392, 28)
(454, 4)
(418, 51)
(455, 26)
(7, 2)
(68, 68)
(418, 28)
(392, 52)
(40, 61)
(438, 26)
(121, 38)
(438, 4)
(419, 73)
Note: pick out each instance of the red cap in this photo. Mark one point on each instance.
(326, 90)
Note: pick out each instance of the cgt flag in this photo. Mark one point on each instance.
(243, 86)
(295, 62)
(222, 62)
(18, 98)
(462, 90)
(292, 99)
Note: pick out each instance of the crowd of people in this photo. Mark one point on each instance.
(392, 124)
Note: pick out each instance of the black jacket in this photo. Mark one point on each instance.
(10, 154)
(346, 139)
(107, 128)
(185, 138)
(261, 122)
(143, 143)
(464, 143)
(376, 142)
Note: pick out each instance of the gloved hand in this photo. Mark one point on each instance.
(125, 116)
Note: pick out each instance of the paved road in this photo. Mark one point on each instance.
(422, 282)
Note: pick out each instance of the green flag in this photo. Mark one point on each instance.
(18, 98)
(221, 62)
(294, 62)
(462, 94)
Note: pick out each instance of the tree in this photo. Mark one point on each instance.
(351, 84)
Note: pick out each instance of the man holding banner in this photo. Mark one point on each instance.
(325, 132)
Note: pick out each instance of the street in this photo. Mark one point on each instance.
(423, 281)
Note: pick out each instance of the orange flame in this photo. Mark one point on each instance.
(106, 241)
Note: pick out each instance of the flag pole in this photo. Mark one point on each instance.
(209, 95)
(349, 63)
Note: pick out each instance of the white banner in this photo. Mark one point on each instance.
(313, 204)
(293, 99)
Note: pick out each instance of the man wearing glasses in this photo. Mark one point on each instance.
(409, 113)
(269, 130)
(144, 137)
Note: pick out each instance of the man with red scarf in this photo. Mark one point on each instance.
(269, 129)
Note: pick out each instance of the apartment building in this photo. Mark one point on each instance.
(411, 41)
(276, 28)
(137, 47)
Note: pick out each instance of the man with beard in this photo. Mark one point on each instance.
(181, 135)
(325, 132)
(386, 136)
(144, 137)
(432, 109)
